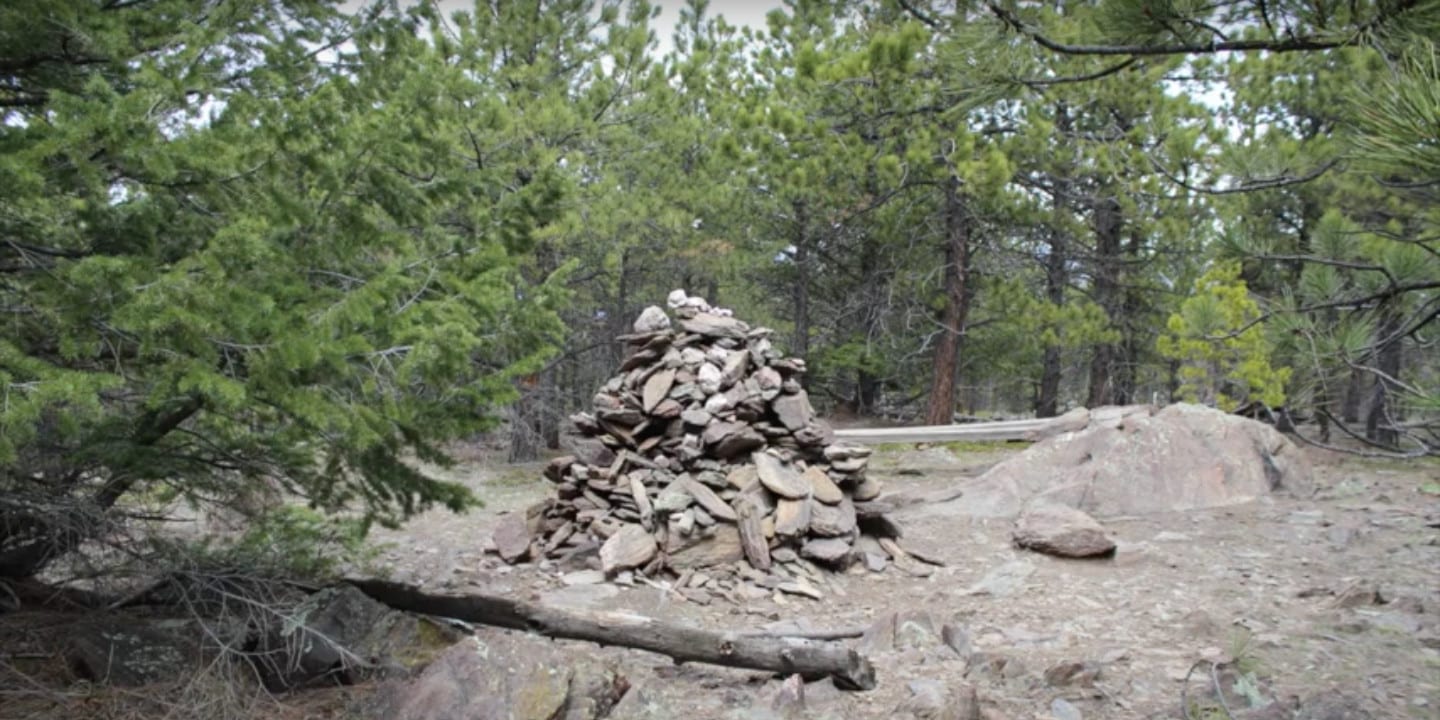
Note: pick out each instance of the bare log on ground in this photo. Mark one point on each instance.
(784, 655)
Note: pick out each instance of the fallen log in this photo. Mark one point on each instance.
(784, 655)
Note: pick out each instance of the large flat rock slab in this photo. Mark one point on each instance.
(1142, 461)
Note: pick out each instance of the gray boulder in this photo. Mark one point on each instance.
(501, 675)
(1136, 460)
(1062, 531)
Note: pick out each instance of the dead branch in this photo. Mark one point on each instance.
(783, 655)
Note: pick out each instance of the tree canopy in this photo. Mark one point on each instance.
(288, 246)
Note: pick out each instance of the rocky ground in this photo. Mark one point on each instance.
(1330, 603)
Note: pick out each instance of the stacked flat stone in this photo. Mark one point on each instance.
(703, 450)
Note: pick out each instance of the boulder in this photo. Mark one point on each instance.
(500, 675)
(339, 634)
(131, 651)
(1135, 461)
(1062, 531)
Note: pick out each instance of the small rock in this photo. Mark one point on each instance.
(822, 487)
(583, 577)
(1063, 531)
(779, 477)
(846, 451)
(652, 319)
(708, 379)
(696, 595)
(714, 325)
(875, 562)
(784, 555)
(930, 700)
(1062, 710)
(801, 587)
(1076, 674)
(734, 368)
(830, 551)
(792, 517)
(915, 629)
(512, 538)
(957, 639)
(794, 411)
(1004, 580)
(674, 498)
(630, 548)
(832, 520)
(711, 502)
(717, 403)
(683, 523)
(791, 698)
(1358, 594)
(868, 489)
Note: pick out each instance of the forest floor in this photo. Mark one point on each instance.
(1286, 585)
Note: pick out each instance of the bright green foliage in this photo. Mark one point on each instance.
(229, 264)
(1224, 355)
(249, 245)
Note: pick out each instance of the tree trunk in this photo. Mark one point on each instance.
(784, 655)
(1056, 280)
(524, 440)
(1384, 414)
(554, 408)
(941, 409)
(1108, 225)
(1127, 357)
(801, 292)
(29, 542)
(1354, 391)
(867, 393)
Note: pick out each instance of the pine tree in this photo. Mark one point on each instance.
(246, 253)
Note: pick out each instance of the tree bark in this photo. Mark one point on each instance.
(524, 440)
(30, 542)
(1056, 280)
(1108, 225)
(554, 409)
(1383, 415)
(941, 408)
(1127, 357)
(787, 656)
(867, 393)
(1354, 391)
(801, 293)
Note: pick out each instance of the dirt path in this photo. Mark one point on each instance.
(1281, 583)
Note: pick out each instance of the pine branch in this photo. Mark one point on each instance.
(1069, 79)
(1250, 186)
(1303, 43)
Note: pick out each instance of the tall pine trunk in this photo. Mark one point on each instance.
(1047, 404)
(941, 408)
(1108, 225)
(1384, 413)
(801, 291)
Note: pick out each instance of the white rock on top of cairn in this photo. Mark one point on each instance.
(705, 442)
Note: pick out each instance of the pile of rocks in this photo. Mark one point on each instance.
(702, 451)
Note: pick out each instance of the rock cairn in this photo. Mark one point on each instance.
(702, 451)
